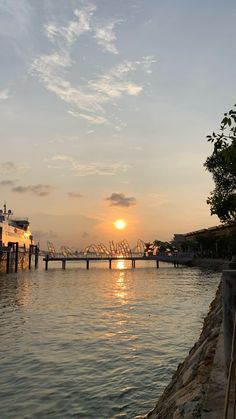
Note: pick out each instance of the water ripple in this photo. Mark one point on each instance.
(96, 344)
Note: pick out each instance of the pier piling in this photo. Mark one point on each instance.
(8, 262)
(30, 256)
(46, 263)
(16, 256)
(36, 260)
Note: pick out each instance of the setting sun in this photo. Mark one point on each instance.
(120, 224)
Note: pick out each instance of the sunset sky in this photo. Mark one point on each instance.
(105, 107)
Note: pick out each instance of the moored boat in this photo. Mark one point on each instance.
(14, 229)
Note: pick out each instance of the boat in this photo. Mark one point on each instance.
(14, 230)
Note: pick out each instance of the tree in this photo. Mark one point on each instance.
(222, 165)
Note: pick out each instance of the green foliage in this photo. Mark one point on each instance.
(222, 165)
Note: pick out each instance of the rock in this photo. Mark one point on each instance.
(185, 394)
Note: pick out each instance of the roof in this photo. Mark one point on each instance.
(211, 229)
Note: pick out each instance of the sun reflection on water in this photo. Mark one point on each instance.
(120, 264)
(121, 289)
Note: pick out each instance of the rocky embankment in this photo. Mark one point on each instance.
(213, 264)
(185, 394)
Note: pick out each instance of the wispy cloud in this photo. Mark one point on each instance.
(15, 24)
(89, 169)
(105, 37)
(147, 63)
(94, 119)
(89, 97)
(39, 190)
(11, 167)
(118, 199)
(74, 195)
(74, 28)
(113, 84)
(7, 182)
(4, 94)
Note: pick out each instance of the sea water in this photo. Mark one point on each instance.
(96, 343)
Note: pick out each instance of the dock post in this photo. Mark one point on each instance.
(30, 254)
(109, 263)
(36, 257)
(16, 256)
(87, 264)
(46, 263)
(8, 261)
(63, 264)
(157, 263)
(134, 263)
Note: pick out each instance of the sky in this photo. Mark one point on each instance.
(105, 107)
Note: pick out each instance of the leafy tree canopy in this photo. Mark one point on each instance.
(222, 165)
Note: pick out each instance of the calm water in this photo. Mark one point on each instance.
(97, 343)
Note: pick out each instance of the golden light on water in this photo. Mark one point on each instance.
(120, 264)
(120, 291)
(120, 224)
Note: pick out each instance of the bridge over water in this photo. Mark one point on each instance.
(115, 252)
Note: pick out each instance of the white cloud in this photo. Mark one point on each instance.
(80, 169)
(91, 97)
(4, 94)
(93, 119)
(113, 84)
(148, 61)
(106, 37)
(73, 29)
(87, 99)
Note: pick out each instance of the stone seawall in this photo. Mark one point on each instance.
(185, 394)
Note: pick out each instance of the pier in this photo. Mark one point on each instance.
(87, 260)
(119, 252)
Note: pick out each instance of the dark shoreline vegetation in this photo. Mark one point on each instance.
(222, 165)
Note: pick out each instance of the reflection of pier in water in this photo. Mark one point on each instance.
(116, 252)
